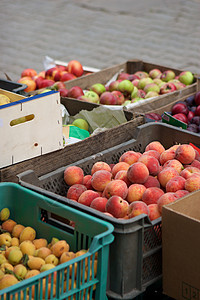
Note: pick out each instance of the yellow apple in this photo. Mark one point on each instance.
(81, 123)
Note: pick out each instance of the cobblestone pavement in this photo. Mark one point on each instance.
(99, 33)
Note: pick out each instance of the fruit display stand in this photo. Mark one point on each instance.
(166, 103)
(54, 72)
(135, 255)
(107, 75)
(30, 126)
(49, 219)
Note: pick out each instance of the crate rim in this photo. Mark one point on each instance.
(48, 200)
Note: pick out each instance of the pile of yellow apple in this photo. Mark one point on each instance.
(22, 255)
(4, 99)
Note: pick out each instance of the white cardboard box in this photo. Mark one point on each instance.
(40, 134)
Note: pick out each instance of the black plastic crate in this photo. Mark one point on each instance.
(135, 260)
(12, 86)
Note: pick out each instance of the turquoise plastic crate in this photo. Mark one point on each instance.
(52, 219)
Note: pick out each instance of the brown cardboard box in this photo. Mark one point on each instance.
(181, 244)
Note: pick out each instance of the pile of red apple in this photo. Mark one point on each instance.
(187, 111)
(130, 88)
(53, 77)
(139, 183)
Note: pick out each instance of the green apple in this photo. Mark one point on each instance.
(90, 96)
(136, 99)
(45, 91)
(126, 87)
(126, 102)
(186, 77)
(167, 75)
(81, 123)
(143, 82)
(151, 94)
(134, 92)
(152, 87)
(98, 88)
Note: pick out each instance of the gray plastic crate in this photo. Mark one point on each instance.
(135, 260)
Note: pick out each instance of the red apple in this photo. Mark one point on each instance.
(108, 98)
(49, 73)
(119, 96)
(197, 111)
(197, 98)
(31, 84)
(42, 74)
(56, 75)
(123, 76)
(113, 86)
(153, 116)
(58, 85)
(67, 76)
(181, 117)
(179, 108)
(47, 82)
(141, 94)
(75, 67)
(190, 115)
(28, 72)
(167, 88)
(135, 82)
(61, 68)
(132, 77)
(141, 74)
(63, 92)
(75, 92)
(38, 81)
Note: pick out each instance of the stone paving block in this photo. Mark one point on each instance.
(99, 33)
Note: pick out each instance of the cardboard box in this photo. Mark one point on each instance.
(181, 244)
(30, 127)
